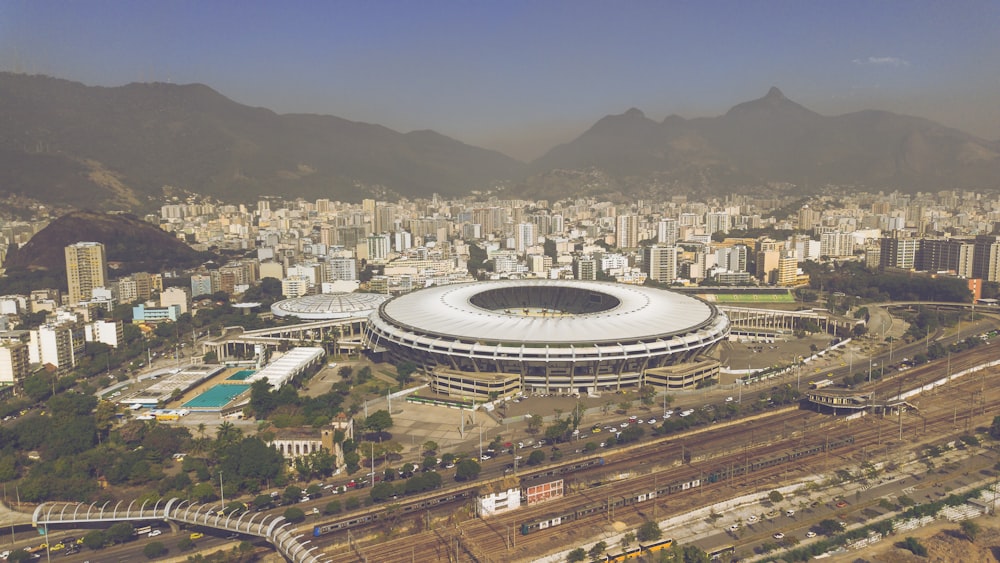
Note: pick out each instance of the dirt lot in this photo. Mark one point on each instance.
(944, 541)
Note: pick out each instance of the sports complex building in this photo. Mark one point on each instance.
(552, 336)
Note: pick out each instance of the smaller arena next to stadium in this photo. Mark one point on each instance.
(501, 338)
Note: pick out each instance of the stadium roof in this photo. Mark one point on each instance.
(613, 312)
(329, 306)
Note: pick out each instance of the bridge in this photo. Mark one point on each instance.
(275, 529)
(339, 336)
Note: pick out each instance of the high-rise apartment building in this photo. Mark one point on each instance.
(525, 236)
(201, 285)
(627, 231)
(899, 251)
(666, 232)
(14, 362)
(86, 268)
(586, 268)
(660, 263)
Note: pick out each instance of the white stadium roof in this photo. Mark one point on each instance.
(329, 306)
(622, 313)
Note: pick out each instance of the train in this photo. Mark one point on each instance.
(726, 472)
(562, 470)
(642, 550)
(375, 514)
(378, 513)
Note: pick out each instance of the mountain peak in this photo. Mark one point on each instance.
(774, 94)
(634, 112)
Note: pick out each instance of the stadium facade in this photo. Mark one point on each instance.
(549, 336)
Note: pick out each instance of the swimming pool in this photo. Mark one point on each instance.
(217, 396)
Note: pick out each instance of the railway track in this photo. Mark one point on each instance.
(498, 539)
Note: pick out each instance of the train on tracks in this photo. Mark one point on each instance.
(562, 470)
(375, 514)
(642, 550)
(722, 473)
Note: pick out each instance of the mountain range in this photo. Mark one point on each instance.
(65, 143)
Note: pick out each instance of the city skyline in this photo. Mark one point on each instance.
(520, 77)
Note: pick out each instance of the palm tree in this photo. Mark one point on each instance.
(227, 433)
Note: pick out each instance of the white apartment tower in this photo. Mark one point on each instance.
(627, 231)
(86, 268)
(667, 231)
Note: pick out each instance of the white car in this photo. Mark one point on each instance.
(729, 399)
(154, 533)
(810, 534)
(624, 425)
(752, 518)
(651, 421)
(734, 527)
(789, 512)
(779, 535)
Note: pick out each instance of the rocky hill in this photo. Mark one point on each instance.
(134, 244)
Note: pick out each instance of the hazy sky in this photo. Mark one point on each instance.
(523, 76)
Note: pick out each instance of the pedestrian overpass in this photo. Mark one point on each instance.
(275, 529)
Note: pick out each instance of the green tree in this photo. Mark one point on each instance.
(647, 395)
(829, 527)
(578, 554)
(294, 515)
(534, 422)
(185, 543)
(970, 529)
(649, 531)
(332, 507)
(995, 428)
(120, 532)
(775, 497)
(379, 422)
(19, 555)
(154, 550)
(430, 447)
(537, 457)
(382, 491)
(914, 546)
(203, 492)
(467, 470)
(261, 502)
(558, 430)
(429, 462)
(95, 539)
(291, 494)
(404, 373)
(694, 554)
(597, 550)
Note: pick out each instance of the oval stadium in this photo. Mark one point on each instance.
(501, 338)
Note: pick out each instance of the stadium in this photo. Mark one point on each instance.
(501, 338)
